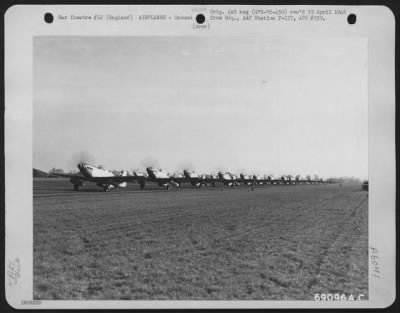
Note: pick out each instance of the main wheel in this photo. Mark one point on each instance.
(105, 188)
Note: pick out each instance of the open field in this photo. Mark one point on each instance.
(275, 242)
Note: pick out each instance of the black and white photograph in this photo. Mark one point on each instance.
(200, 167)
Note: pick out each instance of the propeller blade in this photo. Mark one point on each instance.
(81, 157)
(185, 165)
(150, 162)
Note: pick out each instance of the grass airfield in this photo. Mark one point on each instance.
(284, 242)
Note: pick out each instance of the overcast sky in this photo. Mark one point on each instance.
(264, 105)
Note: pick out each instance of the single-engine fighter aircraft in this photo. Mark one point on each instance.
(235, 179)
(199, 180)
(291, 179)
(228, 179)
(161, 178)
(284, 179)
(102, 177)
(247, 179)
(258, 180)
(270, 180)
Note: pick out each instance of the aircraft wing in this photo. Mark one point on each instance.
(178, 180)
(244, 180)
(104, 180)
(69, 175)
(116, 179)
(205, 179)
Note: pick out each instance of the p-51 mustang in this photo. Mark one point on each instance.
(161, 178)
(199, 180)
(247, 179)
(102, 177)
(228, 179)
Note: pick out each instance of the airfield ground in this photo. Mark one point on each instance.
(273, 243)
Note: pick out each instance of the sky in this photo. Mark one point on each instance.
(254, 104)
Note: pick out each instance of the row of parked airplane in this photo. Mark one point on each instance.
(108, 180)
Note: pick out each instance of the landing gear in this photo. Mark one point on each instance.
(167, 187)
(106, 188)
(76, 183)
(142, 185)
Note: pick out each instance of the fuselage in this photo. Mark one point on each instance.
(156, 174)
(228, 179)
(246, 179)
(190, 174)
(258, 179)
(93, 171)
(194, 178)
(161, 178)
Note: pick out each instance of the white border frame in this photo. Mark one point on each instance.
(22, 22)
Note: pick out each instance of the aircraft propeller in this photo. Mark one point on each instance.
(150, 162)
(81, 157)
(186, 165)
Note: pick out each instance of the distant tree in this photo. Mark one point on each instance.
(56, 171)
(344, 180)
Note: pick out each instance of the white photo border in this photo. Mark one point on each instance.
(23, 22)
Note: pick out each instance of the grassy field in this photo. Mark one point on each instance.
(276, 242)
